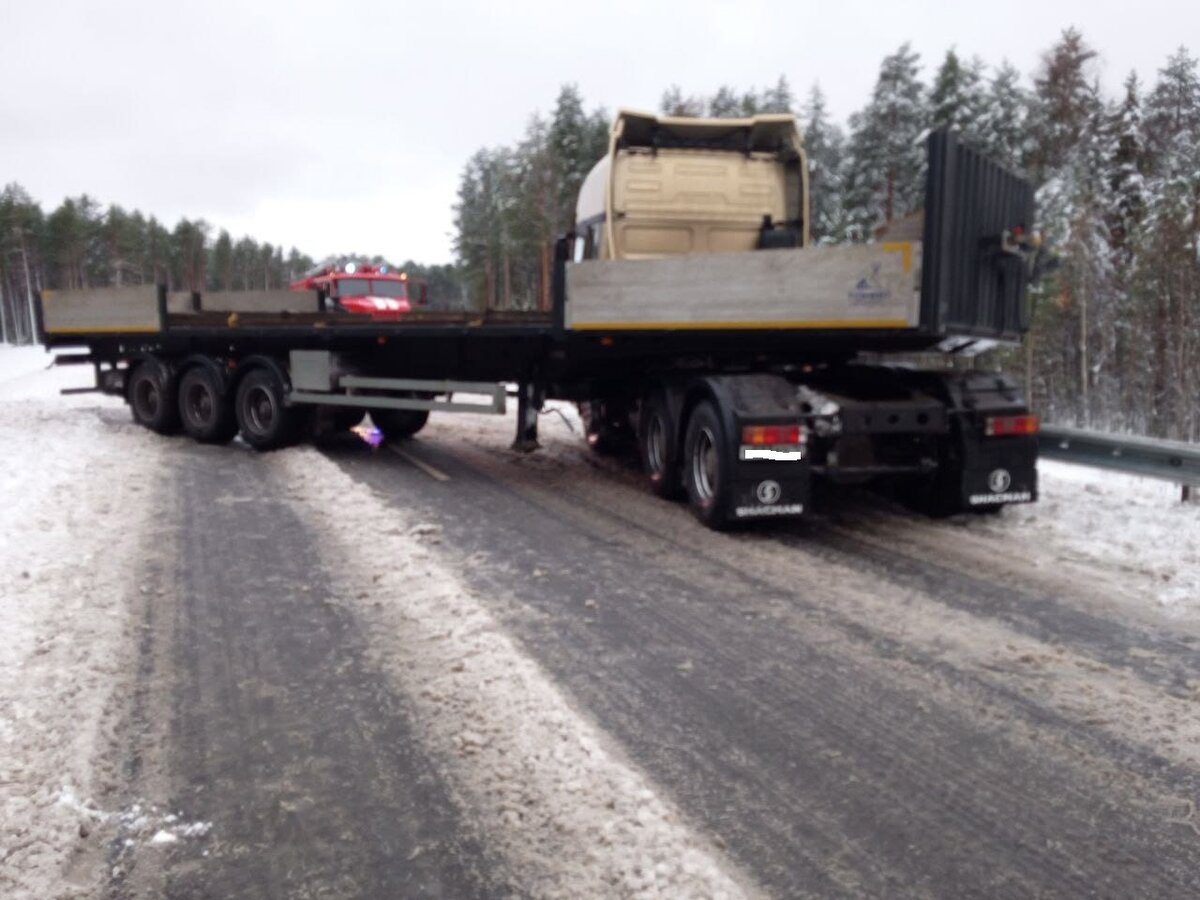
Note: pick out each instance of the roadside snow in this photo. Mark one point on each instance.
(25, 374)
(76, 479)
(550, 792)
(1135, 529)
(1128, 530)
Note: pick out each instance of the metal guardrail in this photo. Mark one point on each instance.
(1166, 460)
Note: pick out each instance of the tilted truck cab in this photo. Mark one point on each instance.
(672, 186)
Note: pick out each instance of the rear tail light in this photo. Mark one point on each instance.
(1007, 426)
(772, 435)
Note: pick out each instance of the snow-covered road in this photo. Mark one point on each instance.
(325, 671)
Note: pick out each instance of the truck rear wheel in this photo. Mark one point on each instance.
(706, 466)
(266, 422)
(397, 424)
(658, 447)
(204, 407)
(151, 397)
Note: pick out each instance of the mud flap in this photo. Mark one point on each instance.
(770, 491)
(998, 472)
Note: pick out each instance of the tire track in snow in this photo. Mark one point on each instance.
(552, 793)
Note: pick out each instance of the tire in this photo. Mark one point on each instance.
(398, 424)
(658, 448)
(706, 475)
(151, 396)
(265, 421)
(205, 409)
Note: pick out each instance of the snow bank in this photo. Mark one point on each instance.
(549, 791)
(1131, 531)
(25, 375)
(1135, 529)
(76, 481)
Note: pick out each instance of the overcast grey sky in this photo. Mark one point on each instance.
(344, 126)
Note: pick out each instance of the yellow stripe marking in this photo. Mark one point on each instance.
(904, 248)
(103, 329)
(760, 325)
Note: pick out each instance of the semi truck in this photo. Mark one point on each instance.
(692, 317)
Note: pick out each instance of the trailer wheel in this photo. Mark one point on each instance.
(656, 441)
(266, 422)
(150, 393)
(204, 408)
(397, 424)
(706, 466)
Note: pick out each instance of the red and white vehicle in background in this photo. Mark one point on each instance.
(378, 291)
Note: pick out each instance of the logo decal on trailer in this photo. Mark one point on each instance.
(768, 492)
(999, 481)
(868, 291)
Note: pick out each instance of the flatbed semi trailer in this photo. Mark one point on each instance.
(734, 369)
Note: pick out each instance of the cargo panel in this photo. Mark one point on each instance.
(971, 286)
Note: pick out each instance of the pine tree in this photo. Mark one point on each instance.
(1173, 237)
(777, 99)
(22, 237)
(575, 142)
(885, 172)
(957, 99)
(221, 263)
(674, 103)
(824, 145)
(1127, 191)
(189, 255)
(1068, 160)
(245, 264)
(1073, 205)
(156, 253)
(725, 103)
(1003, 130)
(1065, 101)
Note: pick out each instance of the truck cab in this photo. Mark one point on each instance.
(378, 291)
(676, 186)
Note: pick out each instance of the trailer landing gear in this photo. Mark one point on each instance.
(530, 397)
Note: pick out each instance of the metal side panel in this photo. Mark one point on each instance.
(276, 301)
(845, 287)
(112, 310)
(971, 287)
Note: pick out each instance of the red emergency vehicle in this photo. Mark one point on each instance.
(378, 291)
